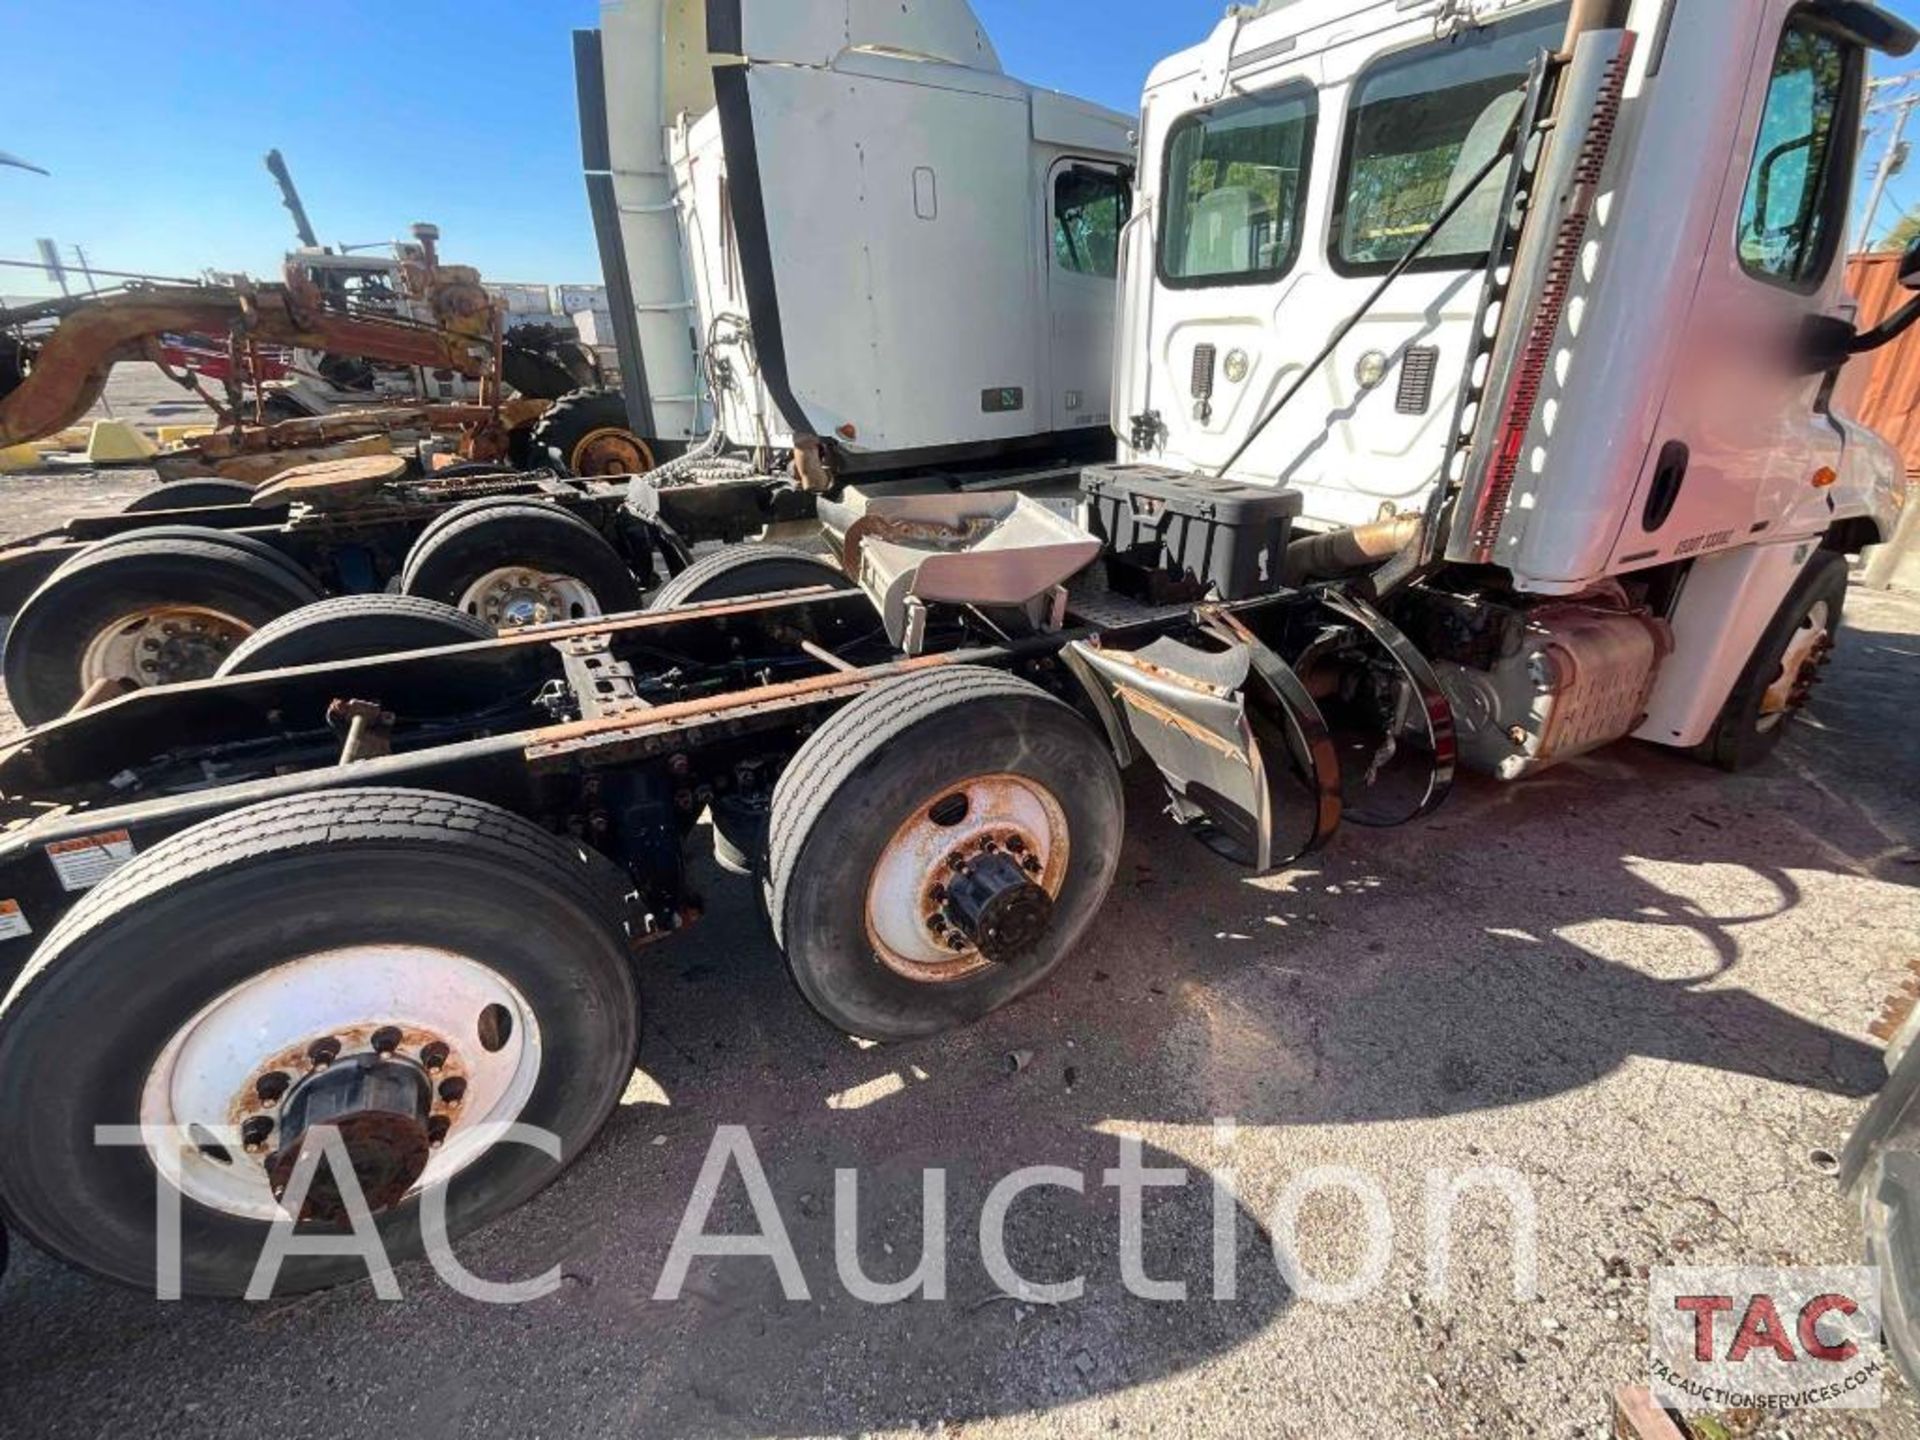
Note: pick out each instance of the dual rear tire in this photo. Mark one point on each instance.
(152, 607)
(514, 562)
(334, 939)
(937, 848)
(204, 986)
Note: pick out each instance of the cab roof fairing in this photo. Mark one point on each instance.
(1285, 30)
(818, 32)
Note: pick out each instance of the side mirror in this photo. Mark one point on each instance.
(1826, 343)
(1910, 267)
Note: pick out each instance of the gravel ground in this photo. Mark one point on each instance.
(1642, 986)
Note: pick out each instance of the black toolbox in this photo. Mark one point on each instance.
(1172, 536)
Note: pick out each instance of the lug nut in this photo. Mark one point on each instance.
(437, 1129)
(1016, 845)
(324, 1052)
(254, 1133)
(386, 1039)
(956, 861)
(1031, 864)
(453, 1089)
(434, 1056)
(271, 1087)
(937, 895)
(956, 941)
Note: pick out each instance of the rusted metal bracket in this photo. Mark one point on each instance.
(603, 688)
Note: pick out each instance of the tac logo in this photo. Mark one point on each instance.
(1760, 1339)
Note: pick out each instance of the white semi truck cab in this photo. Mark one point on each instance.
(842, 231)
(1537, 309)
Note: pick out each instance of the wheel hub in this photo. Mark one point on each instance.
(514, 598)
(242, 1087)
(611, 451)
(993, 902)
(969, 880)
(164, 646)
(1807, 654)
(381, 1107)
(393, 1093)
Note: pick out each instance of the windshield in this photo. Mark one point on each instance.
(1235, 183)
(1422, 124)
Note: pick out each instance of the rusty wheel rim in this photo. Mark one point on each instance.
(905, 900)
(610, 451)
(1806, 655)
(212, 1101)
(166, 645)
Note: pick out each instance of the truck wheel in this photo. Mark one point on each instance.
(586, 434)
(1778, 681)
(417, 969)
(190, 495)
(517, 565)
(937, 848)
(354, 627)
(141, 611)
(743, 570)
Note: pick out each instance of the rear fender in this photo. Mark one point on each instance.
(1269, 726)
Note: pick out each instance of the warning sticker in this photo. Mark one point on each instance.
(83, 863)
(13, 924)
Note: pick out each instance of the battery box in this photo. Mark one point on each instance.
(1172, 536)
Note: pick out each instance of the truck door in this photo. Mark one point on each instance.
(1087, 204)
(1741, 434)
(1279, 209)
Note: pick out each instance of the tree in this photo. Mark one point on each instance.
(1905, 231)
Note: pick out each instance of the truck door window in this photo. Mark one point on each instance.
(1089, 208)
(1236, 180)
(1793, 212)
(1421, 123)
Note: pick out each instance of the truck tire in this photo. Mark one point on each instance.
(472, 507)
(587, 434)
(743, 570)
(250, 961)
(204, 535)
(1767, 698)
(190, 495)
(141, 611)
(354, 627)
(867, 816)
(518, 565)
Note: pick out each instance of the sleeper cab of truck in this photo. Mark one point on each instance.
(1613, 498)
(893, 252)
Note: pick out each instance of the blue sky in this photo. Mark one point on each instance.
(153, 120)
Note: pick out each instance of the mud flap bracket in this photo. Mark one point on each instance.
(1272, 724)
(1249, 765)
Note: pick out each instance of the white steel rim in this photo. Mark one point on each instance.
(902, 894)
(202, 1087)
(1804, 652)
(517, 596)
(164, 645)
